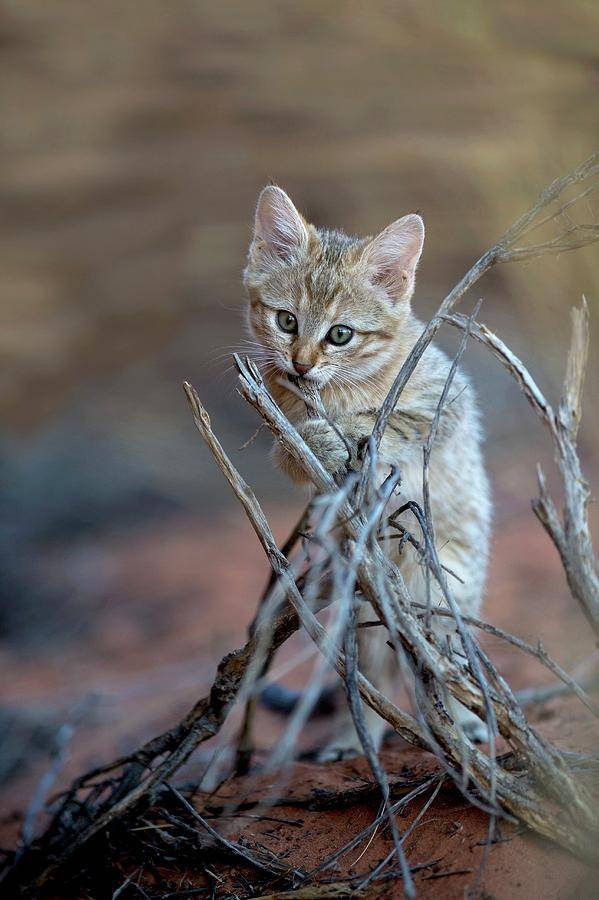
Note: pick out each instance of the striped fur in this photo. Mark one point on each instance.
(326, 278)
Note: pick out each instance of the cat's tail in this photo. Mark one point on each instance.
(283, 700)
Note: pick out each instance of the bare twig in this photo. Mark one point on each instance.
(571, 534)
(272, 867)
(538, 652)
(245, 744)
(59, 754)
(503, 251)
(542, 790)
(552, 771)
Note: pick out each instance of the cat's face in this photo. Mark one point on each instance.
(323, 306)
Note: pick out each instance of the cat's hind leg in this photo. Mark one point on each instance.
(377, 663)
(466, 590)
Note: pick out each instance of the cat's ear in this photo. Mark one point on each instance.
(392, 256)
(279, 229)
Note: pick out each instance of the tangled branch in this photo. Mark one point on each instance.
(534, 783)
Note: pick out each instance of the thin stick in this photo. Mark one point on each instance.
(539, 653)
(571, 535)
(512, 724)
(236, 849)
(501, 252)
(544, 774)
(245, 742)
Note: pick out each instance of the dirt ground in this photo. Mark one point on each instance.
(185, 594)
(446, 847)
(133, 147)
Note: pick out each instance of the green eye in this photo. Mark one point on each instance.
(287, 321)
(340, 335)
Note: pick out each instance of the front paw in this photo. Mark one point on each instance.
(325, 443)
(473, 728)
(339, 750)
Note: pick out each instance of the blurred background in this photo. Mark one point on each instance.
(135, 138)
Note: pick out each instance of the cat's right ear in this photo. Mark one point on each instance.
(279, 229)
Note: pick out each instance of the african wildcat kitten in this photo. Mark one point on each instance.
(336, 310)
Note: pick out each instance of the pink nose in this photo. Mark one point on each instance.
(301, 368)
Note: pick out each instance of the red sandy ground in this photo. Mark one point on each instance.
(167, 603)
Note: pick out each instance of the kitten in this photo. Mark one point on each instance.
(335, 310)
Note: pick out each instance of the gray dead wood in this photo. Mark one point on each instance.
(570, 533)
(541, 789)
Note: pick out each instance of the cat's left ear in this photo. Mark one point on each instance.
(392, 256)
(279, 229)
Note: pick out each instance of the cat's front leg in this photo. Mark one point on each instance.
(326, 444)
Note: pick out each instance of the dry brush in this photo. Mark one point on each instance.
(348, 529)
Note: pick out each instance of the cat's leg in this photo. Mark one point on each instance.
(468, 564)
(377, 662)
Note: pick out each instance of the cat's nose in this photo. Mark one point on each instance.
(301, 368)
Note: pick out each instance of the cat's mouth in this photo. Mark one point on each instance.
(287, 371)
(315, 378)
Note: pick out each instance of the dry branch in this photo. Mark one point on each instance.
(548, 769)
(503, 251)
(570, 534)
(537, 652)
(76, 822)
(542, 789)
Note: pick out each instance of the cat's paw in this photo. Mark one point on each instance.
(473, 728)
(325, 443)
(476, 731)
(343, 747)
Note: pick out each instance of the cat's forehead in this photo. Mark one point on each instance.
(324, 285)
(324, 279)
(318, 292)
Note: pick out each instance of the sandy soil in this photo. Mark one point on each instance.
(133, 150)
(447, 842)
(170, 601)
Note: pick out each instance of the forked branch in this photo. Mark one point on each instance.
(570, 533)
(542, 790)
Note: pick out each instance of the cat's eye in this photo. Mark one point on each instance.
(340, 335)
(287, 321)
